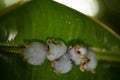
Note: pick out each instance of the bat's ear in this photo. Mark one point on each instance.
(82, 68)
(77, 47)
(49, 41)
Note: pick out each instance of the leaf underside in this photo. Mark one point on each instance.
(42, 19)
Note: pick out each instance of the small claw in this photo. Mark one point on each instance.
(52, 64)
(93, 71)
(49, 53)
(88, 60)
(70, 47)
(85, 61)
(56, 71)
(71, 61)
(25, 58)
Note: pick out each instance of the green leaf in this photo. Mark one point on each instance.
(42, 19)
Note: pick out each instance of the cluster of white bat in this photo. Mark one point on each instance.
(61, 57)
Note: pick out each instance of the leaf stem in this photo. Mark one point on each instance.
(12, 47)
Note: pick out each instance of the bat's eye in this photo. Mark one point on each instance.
(48, 47)
(78, 52)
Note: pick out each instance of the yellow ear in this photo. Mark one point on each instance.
(49, 41)
(77, 47)
(82, 68)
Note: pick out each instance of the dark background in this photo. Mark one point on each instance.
(110, 13)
